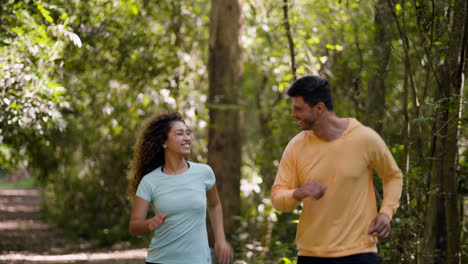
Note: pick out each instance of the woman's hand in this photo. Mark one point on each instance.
(155, 221)
(139, 225)
(223, 251)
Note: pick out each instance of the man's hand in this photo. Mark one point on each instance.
(380, 226)
(156, 221)
(312, 188)
(223, 251)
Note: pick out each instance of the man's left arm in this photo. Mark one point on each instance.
(384, 164)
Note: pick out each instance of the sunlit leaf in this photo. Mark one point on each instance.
(301, 70)
(398, 7)
(45, 13)
(330, 47)
(117, 130)
(134, 9)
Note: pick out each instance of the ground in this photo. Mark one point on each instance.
(26, 239)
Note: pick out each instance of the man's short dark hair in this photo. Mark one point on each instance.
(313, 89)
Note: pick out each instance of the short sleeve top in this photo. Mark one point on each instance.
(182, 238)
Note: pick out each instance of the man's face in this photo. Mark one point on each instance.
(303, 112)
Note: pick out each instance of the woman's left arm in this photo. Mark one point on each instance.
(223, 249)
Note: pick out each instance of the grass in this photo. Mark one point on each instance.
(21, 184)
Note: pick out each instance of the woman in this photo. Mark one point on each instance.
(180, 191)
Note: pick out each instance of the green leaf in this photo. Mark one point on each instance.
(146, 101)
(18, 31)
(330, 47)
(45, 13)
(282, 86)
(134, 9)
(398, 7)
(301, 70)
(14, 106)
(65, 18)
(117, 130)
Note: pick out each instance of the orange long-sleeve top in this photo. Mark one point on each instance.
(337, 224)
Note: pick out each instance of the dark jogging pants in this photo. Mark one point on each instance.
(364, 258)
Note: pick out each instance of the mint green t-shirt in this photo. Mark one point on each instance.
(182, 238)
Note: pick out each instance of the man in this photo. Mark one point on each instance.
(328, 166)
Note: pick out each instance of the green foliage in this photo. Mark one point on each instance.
(33, 102)
(110, 104)
(78, 78)
(408, 223)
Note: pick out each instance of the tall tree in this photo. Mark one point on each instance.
(225, 69)
(381, 52)
(444, 177)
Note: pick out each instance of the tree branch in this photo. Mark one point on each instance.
(287, 26)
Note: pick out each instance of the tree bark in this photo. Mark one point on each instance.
(381, 52)
(224, 135)
(444, 171)
(454, 71)
(434, 236)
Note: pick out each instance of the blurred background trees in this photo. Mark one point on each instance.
(79, 77)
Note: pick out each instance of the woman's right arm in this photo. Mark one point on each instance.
(138, 222)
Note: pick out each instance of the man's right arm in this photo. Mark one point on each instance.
(311, 189)
(286, 195)
(286, 182)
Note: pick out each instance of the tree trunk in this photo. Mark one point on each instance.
(444, 172)
(224, 137)
(454, 72)
(434, 236)
(381, 52)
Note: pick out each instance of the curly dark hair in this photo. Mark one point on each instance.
(149, 152)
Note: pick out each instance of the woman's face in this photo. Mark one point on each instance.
(178, 140)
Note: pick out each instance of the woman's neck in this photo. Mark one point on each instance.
(175, 166)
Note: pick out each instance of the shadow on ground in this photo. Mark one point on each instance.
(24, 238)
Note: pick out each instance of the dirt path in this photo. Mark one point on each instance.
(24, 238)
